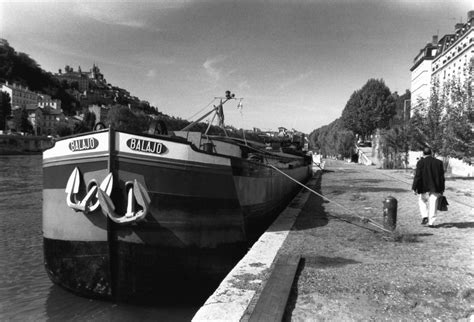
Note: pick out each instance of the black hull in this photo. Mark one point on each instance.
(80, 267)
(139, 272)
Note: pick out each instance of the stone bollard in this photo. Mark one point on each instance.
(390, 213)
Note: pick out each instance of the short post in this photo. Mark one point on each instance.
(390, 213)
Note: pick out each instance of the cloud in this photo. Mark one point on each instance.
(112, 13)
(211, 68)
(77, 53)
(291, 81)
(151, 73)
(243, 85)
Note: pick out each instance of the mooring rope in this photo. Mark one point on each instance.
(364, 219)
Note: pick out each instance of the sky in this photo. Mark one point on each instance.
(295, 63)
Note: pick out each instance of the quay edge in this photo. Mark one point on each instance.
(233, 298)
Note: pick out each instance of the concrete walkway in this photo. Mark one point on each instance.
(351, 272)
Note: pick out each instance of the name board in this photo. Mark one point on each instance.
(146, 146)
(83, 144)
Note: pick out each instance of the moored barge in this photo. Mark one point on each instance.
(125, 215)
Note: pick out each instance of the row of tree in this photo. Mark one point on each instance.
(368, 108)
(444, 122)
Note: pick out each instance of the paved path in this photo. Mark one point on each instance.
(352, 273)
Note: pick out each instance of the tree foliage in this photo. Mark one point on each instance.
(17, 67)
(63, 130)
(444, 122)
(369, 108)
(5, 109)
(86, 125)
(457, 140)
(124, 119)
(22, 124)
(333, 140)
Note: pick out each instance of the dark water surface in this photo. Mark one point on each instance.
(26, 293)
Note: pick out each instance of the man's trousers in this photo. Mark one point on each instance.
(428, 203)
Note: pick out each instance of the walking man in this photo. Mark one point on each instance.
(429, 184)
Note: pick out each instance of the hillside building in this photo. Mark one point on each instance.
(83, 80)
(20, 96)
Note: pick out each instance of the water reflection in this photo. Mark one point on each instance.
(62, 305)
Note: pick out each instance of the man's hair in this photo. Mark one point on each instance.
(426, 151)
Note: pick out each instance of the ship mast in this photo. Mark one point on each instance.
(217, 110)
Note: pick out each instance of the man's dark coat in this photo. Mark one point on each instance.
(429, 176)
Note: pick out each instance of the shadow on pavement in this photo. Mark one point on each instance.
(380, 189)
(314, 262)
(460, 225)
(327, 171)
(323, 261)
(312, 214)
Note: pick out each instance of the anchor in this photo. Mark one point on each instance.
(136, 194)
(72, 189)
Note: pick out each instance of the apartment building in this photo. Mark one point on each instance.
(449, 58)
(421, 72)
(455, 53)
(20, 96)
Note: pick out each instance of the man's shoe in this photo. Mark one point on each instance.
(424, 221)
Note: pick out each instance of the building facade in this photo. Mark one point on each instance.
(20, 96)
(83, 79)
(421, 71)
(47, 101)
(47, 120)
(44, 113)
(449, 58)
(455, 53)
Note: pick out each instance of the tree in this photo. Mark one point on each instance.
(394, 147)
(444, 122)
(63, 130)
(122, 118)
(333, 140)
(17, 67)
(23, 124)
(457, 139)
(5, 109)
(351, 113)
(89, 120)
(87, 124)
(369, 108)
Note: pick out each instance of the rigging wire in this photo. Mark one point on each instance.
(200, 111)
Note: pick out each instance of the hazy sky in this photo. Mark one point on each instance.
(295, 62)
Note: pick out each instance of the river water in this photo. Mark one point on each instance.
(26, 293)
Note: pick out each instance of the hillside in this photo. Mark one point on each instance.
(20, 68)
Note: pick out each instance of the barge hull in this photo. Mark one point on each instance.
(204, 211)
